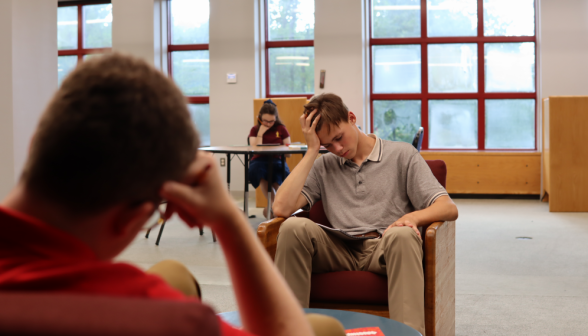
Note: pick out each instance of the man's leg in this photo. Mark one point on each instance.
(177, 276)
(399, 255)
(304, 248)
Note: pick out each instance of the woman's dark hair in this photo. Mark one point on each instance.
(269, 107)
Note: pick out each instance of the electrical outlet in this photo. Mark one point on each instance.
(222, 162)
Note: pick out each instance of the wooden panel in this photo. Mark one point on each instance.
(568, 160)
(545, 156)
(440, 279)
(290, 110)
(490, 172)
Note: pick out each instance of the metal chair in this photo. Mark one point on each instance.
(163, 221)
(418, 139)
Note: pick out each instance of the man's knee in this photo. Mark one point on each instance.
(293, 227)
(323, 325)
(177, 276)
(401, 236)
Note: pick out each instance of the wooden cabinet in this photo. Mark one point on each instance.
(565, 153)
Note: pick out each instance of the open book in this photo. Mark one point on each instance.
(341, 234)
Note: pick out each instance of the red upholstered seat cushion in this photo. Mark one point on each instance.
(349, 287)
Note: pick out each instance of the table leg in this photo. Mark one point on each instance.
(269, 188)
(229, 171)
(246, 192)
(283, 166)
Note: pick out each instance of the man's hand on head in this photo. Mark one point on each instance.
(309, 129)
(202, 197)
(407, 220)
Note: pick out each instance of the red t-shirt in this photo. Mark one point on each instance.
(37, 257)
(274, 135)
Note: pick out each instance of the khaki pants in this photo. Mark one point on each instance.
(179, 277)
(304, 248)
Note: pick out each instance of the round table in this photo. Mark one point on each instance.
(350, 320)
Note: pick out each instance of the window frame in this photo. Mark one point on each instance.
(279, 44)
(424, 96)
(80, 51)
(183, 47)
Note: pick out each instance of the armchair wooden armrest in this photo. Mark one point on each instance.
(267, 232)
(439, 269)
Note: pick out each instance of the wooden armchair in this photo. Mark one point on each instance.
(340, 290)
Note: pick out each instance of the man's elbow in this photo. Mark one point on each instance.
(453, 212)
(279, 210)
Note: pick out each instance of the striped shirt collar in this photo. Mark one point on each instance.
(375, 155)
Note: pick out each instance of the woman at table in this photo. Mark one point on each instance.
(269, 130)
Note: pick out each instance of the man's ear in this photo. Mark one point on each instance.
(352, 118)
(131, 218)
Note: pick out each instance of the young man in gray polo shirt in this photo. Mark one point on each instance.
(370, 188)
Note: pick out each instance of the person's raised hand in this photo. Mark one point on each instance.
(406, 220)
(202, 197)
(262, 130)
(309, 131)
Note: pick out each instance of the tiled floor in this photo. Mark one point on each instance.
(504, 285)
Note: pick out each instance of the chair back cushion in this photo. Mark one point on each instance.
(439, 169)
(34, 313)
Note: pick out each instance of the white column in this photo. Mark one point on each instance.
(7, 175)
(232, 49)
(28, 69)
(338, 49)
(136, 29)
(563, 48)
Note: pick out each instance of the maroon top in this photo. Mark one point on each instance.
(276, 134)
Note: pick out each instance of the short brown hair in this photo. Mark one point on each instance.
(113, 133)
(331, 109)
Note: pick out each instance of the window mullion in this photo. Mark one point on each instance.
(424, 76)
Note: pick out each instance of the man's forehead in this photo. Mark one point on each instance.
(328, 133)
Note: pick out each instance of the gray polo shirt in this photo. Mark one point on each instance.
(393, 181)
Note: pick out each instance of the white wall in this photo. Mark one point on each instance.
(338, 49)
(29, 78)
(6, 134)
(133, 28)
(563, 48)
(232, 49)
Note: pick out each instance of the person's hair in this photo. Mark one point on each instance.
(113, 133)
(269, 107)
(331, 109)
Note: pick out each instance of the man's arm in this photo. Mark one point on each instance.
(443, 209)
(289, 196)
(266, 304)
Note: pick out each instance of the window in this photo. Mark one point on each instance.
(76, 42)
(188, 58)
(289, 46)
(463, 69)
